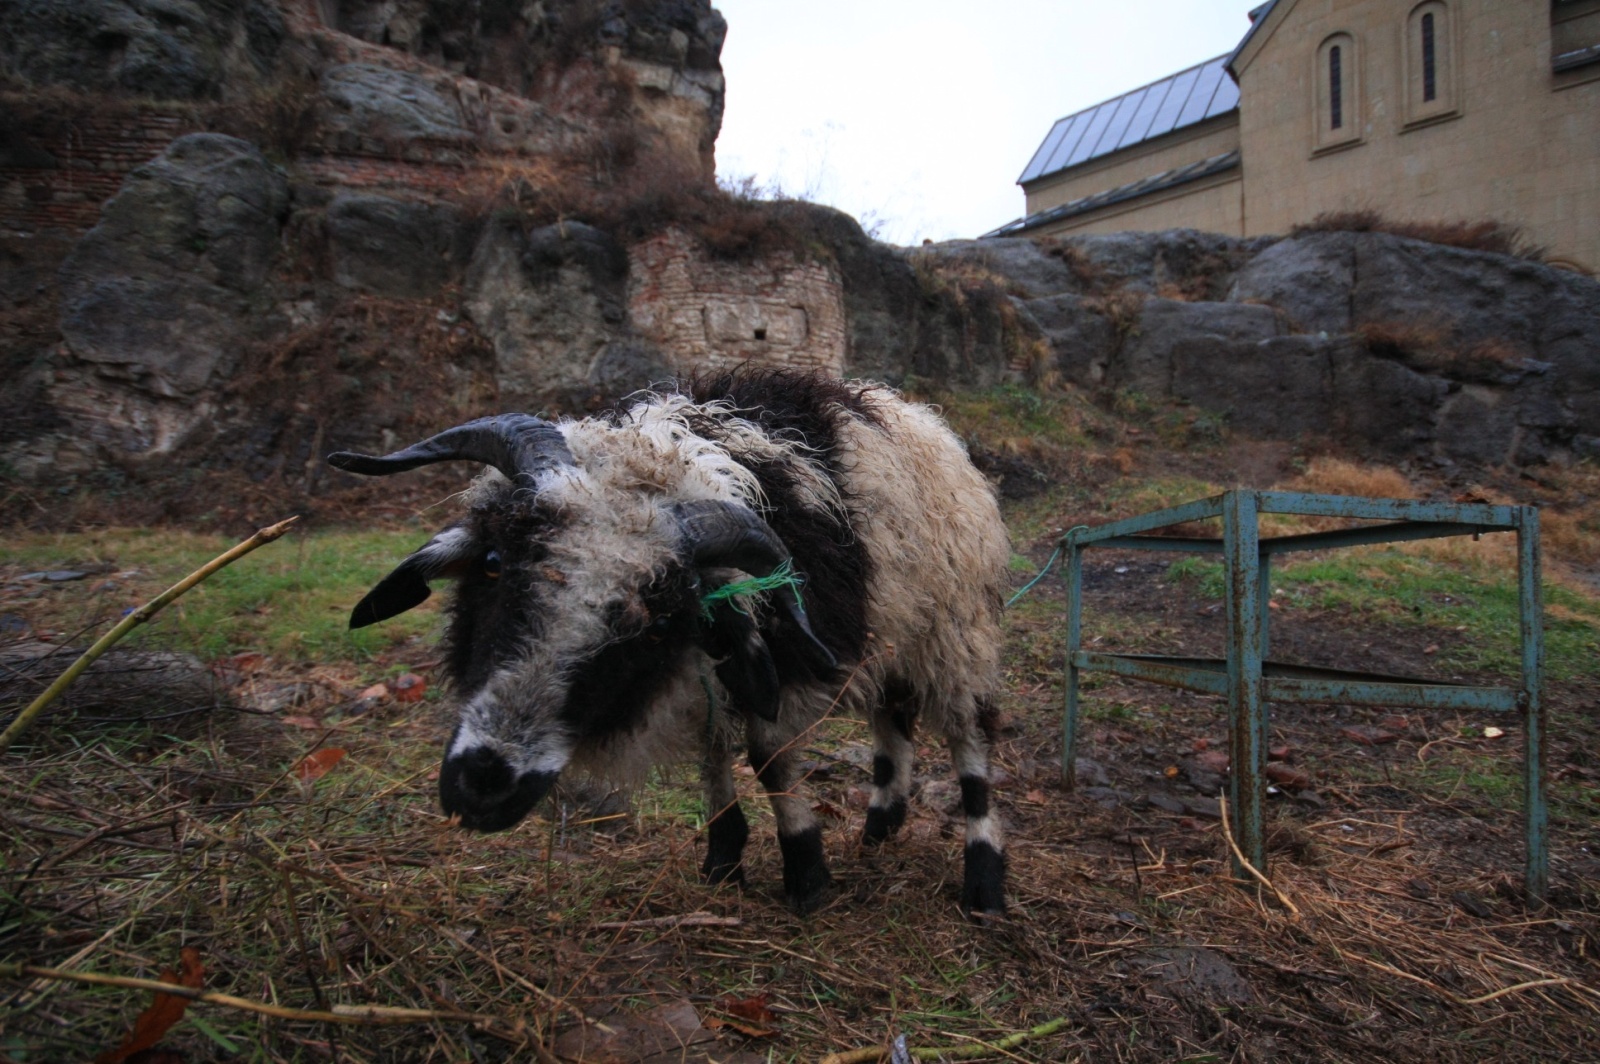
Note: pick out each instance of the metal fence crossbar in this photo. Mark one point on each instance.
(1249, 681)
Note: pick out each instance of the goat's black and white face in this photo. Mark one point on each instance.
(576, 609)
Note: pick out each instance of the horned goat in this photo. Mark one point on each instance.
(601, 621)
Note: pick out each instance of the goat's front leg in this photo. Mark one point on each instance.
(726, 830)
(806, 881)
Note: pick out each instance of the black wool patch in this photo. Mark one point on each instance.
(811, 409)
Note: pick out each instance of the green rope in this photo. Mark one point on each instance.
(1049, 564)
(783, 576)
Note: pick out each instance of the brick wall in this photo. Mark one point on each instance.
(91, 156)
(709, 315)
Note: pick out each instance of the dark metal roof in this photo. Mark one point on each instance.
(1144, 186)
(1187, 97)
(1258, 16)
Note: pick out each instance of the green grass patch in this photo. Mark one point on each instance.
(290, 599)
(1479, 601)
(1415, 590)
(1012, 411)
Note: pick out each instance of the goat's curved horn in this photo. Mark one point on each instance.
(519, 445)
(728, 534)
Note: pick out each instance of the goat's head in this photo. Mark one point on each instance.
(576, 606)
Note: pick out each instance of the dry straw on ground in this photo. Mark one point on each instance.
(355, 895)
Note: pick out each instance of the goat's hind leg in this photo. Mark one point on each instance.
(726, 830)
(892, 755)
(983, 885)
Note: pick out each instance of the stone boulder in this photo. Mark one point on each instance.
(403, 249)
(162, 49)
(553, 302)
(1309, 278)
(370, 107)
(165, 291)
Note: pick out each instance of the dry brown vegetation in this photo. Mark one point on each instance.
(1429, 345)
(1484, 235)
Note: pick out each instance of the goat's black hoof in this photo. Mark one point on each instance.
(983, 889)
(806, 880)
(881, 823)
(813, 896)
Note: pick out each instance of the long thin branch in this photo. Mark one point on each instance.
(132, 621)
(347, 1014)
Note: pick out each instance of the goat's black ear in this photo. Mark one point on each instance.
(407, 585)
(746, 669)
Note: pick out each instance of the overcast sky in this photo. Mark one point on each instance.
(917, 116)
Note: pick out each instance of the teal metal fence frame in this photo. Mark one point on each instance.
(1250, 682)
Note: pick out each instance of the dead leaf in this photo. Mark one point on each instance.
(316, 764)
(1431, 648)
(376, 691)
(409, 688)
(308, 723)
(1367, 735)
(1279, 753)
(828, 809)
(1289, 778)
(749, 1016)
(1199, 745)
(1492, 732)
(167, 1009)
(1034, 796)
(1170, 771)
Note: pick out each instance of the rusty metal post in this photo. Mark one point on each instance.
(1246, 714)
(1264, 582)
(1531, 602)
(1069, 715)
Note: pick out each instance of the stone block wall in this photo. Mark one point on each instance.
(711, 315)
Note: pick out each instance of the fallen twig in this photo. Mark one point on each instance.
(872, 1054)
(369, 1015)
(1447, 995)
(697, 919)
(132, 621)
(1227, 833)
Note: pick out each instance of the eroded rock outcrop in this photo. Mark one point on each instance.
(1388, 345)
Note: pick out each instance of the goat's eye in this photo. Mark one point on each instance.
(491, 565)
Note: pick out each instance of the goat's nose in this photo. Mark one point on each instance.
(484, 776)
(480, 786)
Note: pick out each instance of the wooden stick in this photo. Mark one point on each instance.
(368, 1015)
(132, 621)
(1227, 833)
(687, 920)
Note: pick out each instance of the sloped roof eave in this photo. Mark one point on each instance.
(1262, 14)
(1145, 186)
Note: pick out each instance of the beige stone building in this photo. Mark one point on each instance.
(1443, 110)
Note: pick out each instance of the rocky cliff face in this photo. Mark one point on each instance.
(237, 235)
(1389, 346)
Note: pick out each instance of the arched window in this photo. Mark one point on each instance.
(1338, 93)
(1429, 64)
